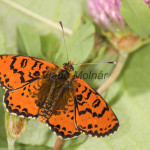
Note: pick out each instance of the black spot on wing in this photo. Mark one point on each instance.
(18, 106)
(95, 126)
(84, 90)
(24, 63)
(15, 70)
(25, 109)
(13, 62)
(21, 76)
(96, 103)
(76, 89)
(90, 126)
(40, 66)
(85, 111)
(64, 128)
(7, 80)
(36, 73)
(57, 126)
(35, 64)
(79, 97)
(79, 85)
(24, 88)
(88, 95)
(81, 103)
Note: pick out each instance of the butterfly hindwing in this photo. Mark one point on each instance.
(22, 101)
(17, 71)
(62, 122)
(93, 116)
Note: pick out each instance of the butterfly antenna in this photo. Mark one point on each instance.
(110, 62)
(61, 24)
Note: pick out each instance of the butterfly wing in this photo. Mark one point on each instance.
(20, 75)
(62, 122)
(93, 116)
(23, 101)
(17, 71)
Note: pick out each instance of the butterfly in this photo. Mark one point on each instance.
(68, 105)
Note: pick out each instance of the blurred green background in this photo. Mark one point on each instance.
(128, 96)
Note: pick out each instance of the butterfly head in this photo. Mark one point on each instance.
(68, 66)
(65, 71)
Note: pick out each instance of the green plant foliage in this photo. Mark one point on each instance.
(50, 9)
(128, 96)
(50, 45)
(28, 41)
(2, 44)
(137, 16)
(3, 142)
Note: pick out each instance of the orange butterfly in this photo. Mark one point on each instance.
(67, 104)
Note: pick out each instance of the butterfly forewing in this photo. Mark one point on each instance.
(17, 71)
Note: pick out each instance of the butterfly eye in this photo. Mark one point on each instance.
(65, 64)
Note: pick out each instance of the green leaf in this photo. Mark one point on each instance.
(52, 10)
(2, 44)
(137, 15)
(79, 46)
(136, 78)
(41, 135)
(28, 41)
(49, 46)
